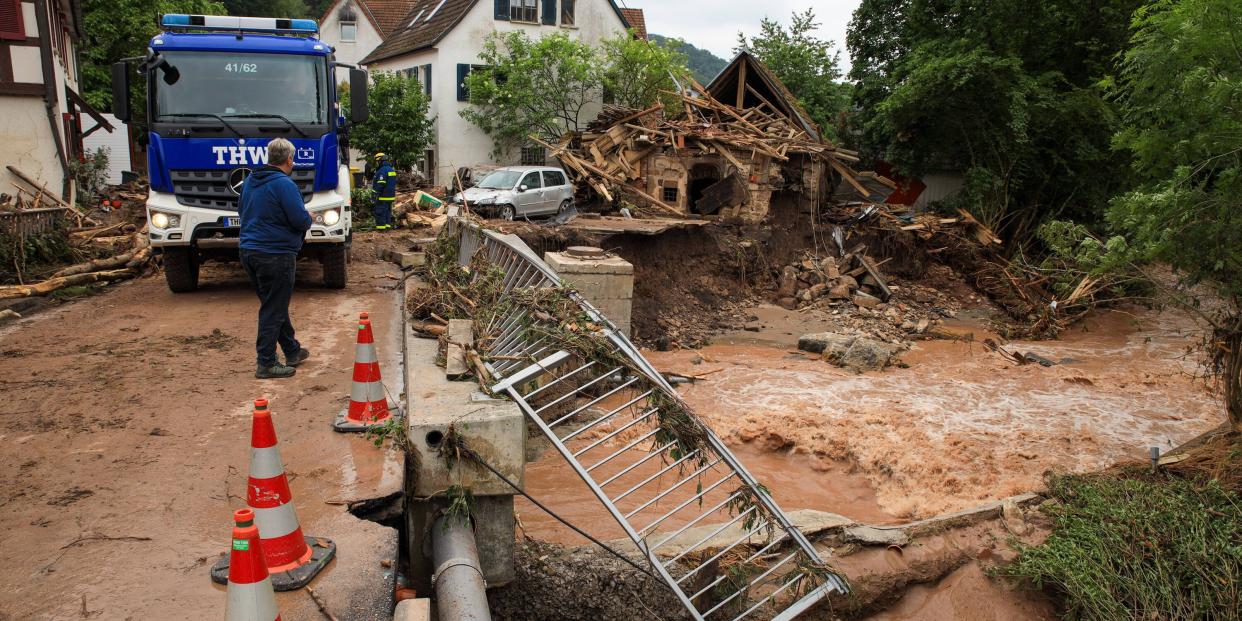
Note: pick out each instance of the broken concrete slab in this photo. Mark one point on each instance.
(809, 521)
(865, 300)
(413, 610)
(875, 536)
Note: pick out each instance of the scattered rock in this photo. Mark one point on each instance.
(865, 300)
(787, 303)
(852, 352)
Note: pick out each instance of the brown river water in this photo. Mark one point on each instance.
(958, 427)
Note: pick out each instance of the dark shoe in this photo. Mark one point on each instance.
(276, 371)
(297, 358)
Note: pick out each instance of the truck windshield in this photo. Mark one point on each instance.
(500, 180)
(247, 87)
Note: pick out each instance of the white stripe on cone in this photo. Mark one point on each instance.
(277, 521)
(251, 602)
(366, 392)
(365, 352)
(265, 462)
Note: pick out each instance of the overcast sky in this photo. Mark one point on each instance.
(714, 24)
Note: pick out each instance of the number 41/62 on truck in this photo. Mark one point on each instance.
(218, 90)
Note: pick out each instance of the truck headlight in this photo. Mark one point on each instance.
(161, 220)
(331, 217)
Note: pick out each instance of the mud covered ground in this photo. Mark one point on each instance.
(125, 425)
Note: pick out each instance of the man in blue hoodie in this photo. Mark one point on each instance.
(274, 221)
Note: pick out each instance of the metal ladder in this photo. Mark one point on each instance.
(721, 543)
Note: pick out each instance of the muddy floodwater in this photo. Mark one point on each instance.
(959, 426)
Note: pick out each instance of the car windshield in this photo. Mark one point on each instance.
(248, 87)
(500, 180)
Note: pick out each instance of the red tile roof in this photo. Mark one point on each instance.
(636, 20)
(385, 15)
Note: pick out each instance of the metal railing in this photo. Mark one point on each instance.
(707, 528)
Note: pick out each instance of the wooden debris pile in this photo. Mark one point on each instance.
(421, 208)
(34, 208)
(854, 277)
(106, 246)
(757, 147)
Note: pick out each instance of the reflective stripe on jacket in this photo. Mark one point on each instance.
(385, 182)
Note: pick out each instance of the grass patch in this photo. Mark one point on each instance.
(1139, 548)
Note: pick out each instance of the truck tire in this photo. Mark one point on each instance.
(180, 270)
(335, 262)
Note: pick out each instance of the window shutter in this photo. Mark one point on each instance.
(11, 24)
(502, 9)
(549, 12)
(462, 72)
(427, 81)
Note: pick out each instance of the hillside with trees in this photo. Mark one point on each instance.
(703, 64)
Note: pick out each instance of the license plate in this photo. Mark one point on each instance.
(231, 220)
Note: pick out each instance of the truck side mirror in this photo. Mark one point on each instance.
(358, 111)
(120, 91)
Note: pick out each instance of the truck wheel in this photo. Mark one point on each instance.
(180, 270)
(335, 262)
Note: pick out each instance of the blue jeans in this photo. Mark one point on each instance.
(272, 276)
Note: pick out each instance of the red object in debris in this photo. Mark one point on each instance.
(402, 594)
(908, 190)
(116, 203)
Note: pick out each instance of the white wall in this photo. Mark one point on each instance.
(115, 141)
(939, 187)
(459, 142)
(366, 39)
(28, 144)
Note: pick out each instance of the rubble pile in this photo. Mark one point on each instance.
(853, 277)
(637, 154)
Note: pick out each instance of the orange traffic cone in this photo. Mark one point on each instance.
(368, 401)
(292, 558)
(250, 594)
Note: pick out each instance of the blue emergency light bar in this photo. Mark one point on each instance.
(235, 24)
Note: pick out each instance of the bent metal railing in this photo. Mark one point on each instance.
(722, 545)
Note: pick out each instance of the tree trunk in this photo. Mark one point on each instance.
(1232, 377)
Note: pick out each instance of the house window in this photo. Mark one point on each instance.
(670, 195)
(11, 25)
(534, 156)
(524, 10)
(349, 32)
(567, 12)
(463, 93)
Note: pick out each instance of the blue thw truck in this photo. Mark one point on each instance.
(218, 89)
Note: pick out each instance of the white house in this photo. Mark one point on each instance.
(440, 40)
(356, 27)
(40, 127)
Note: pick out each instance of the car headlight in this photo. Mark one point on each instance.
(162, 220)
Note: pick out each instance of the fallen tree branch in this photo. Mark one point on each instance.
(53, 284)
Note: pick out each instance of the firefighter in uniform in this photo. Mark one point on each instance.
(384, 183)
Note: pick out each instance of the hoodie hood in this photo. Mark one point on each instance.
(264, 175)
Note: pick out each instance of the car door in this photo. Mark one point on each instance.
(556, 190)
(529, 202)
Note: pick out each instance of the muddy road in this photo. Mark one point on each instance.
(124, 429)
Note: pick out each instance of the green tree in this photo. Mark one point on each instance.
(809, 66)
(1003, 91)
(703, 64)
(1180, 94)
(637, 73)
(117, 29)
(398, 124)
(528, 86)
(268, 8)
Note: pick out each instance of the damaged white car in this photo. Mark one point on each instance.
(520, 192)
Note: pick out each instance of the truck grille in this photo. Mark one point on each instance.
(209, 189)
